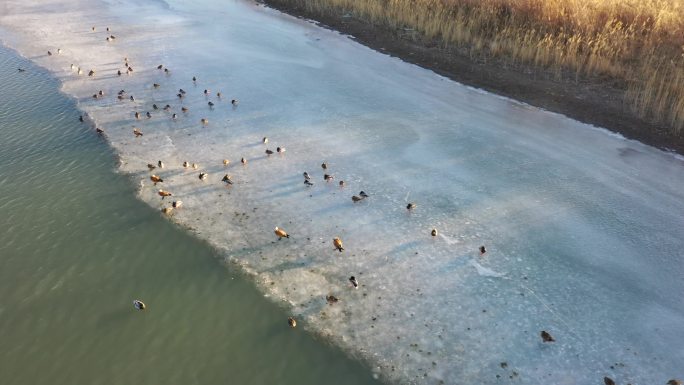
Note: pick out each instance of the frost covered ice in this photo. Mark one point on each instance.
(583, 229)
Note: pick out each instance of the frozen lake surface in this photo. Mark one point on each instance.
(584, 229)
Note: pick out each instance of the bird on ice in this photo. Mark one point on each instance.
(137, 132)
(354, 282)
(546, 337)
(177, 204)
(281, 233)
(227, 179)
(337, 242)
(156, 179)
(433, 232)
(203, 176)
(483, 250)
(164, 194)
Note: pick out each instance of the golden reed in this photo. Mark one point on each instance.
(636, 44)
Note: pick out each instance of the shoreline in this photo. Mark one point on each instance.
(590, 101)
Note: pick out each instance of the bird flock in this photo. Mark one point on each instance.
(227, 179)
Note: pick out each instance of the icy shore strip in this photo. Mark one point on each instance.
(566, 212)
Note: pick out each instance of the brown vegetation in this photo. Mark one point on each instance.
(638, 45)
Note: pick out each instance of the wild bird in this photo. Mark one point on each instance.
(410, 206)
(331, 299)
(226, 162)
(99, 130)
(100, 92)
(324, 166)
(269, 152)
(148, 114)
(156, 85)
(337, 242)
(151, 166)
(608, 381)
(164, 194)
(59, 51)
(166, 70)
(341, 183)
(264, 140)
(156, 179)
(186, 164)
(281, 233)
(91, 73)
(280, 150)
(160, 66)
(80, 118)
(80, 71)
(23, 70)
(433, 232)
(483, 250)
(49, 53)
(132, 98)
(243, 161)
(234, 102)
(292, 322)
(177, 204)
(328, 177)
(154, 107)
(174, 116)
(203, 176)
(137, 132)
(182, 91)
(674, 382)
(138, 304)
(356, 198)
(307, 176)
(137, 115)
(184, 109)
(227, 179)
(354, 282)
(194, 79)
(218, 95)
(211, 104)
(195, 166)
(308, 182)
(546, 337)
(205, 121)
(206, 92)
(118, 72)
(167, 210)
(167, 107)
(160, 164)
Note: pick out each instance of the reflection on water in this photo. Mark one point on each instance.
(76, 248)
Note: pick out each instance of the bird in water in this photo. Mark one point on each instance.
(49, 53)
(608, 381)
(137, 132)
(166, 70)
(174, 116)
(167, 107)
(354, 282)
(292, 322)
(307, 176)
(410, 206)
(195, 166)
(218, 95)
(80, 118)
(227, 179)
(281, 233)
(194, 79)
(184, 109)
(337, 242)
(156, 179)
(140, 305)
(164, 194)
(546, 337)
(177, 204)
(483, 250)
(160, 164)
(132, 98)
(203, 176)
(154, 106)
(186, 164)
(269, 152)
(674, 382)
(433, 232)
(206, 92)
(182, 91)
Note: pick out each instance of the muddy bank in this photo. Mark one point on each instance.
(591, 100)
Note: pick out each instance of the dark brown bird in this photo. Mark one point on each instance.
(151, 166)
(156, 179)
(546, 337)
(483, 250)
(332, 299)
(608, 381)
(674, 382)
(324, 166)
(433, 232)
(160, 67)
(356, 199)
(269, 152)
(308, 182)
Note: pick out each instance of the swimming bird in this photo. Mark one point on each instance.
(608, 381)
(95, 96)
(132, 98)
(264, 140)
(156, 179)
(234, 102)
(139, 304)
(546, 337)
(337, 242)
(243, 161)
(137, 132)
(100, 92)
(205, 121)
(332, 299)
(269, 152)
(356, 199)
(129, 69)
(227, 179)
(324, 166)
(341, 183)
(483, 250)
(177, 204)
(433, 232)
(167, 210)
(308, 182)
(93, 28)
(160, 164)
(226, 162)
(164, 194)
(307, 176)
(107, 29)
(160, 67)
(112, 37)
(410, 206)
(291, 321)
(354, 282)
(328, 177)
(281, 233)
(180, 96)
(203, 176)
(151, 166)
(80, 71)
(280, 150)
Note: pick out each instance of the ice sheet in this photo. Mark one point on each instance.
(583, 229)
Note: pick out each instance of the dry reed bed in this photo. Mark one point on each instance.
(636, 44)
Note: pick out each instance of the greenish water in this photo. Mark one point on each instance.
(76, 248)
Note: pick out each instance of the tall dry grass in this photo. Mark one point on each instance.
(637, 44)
